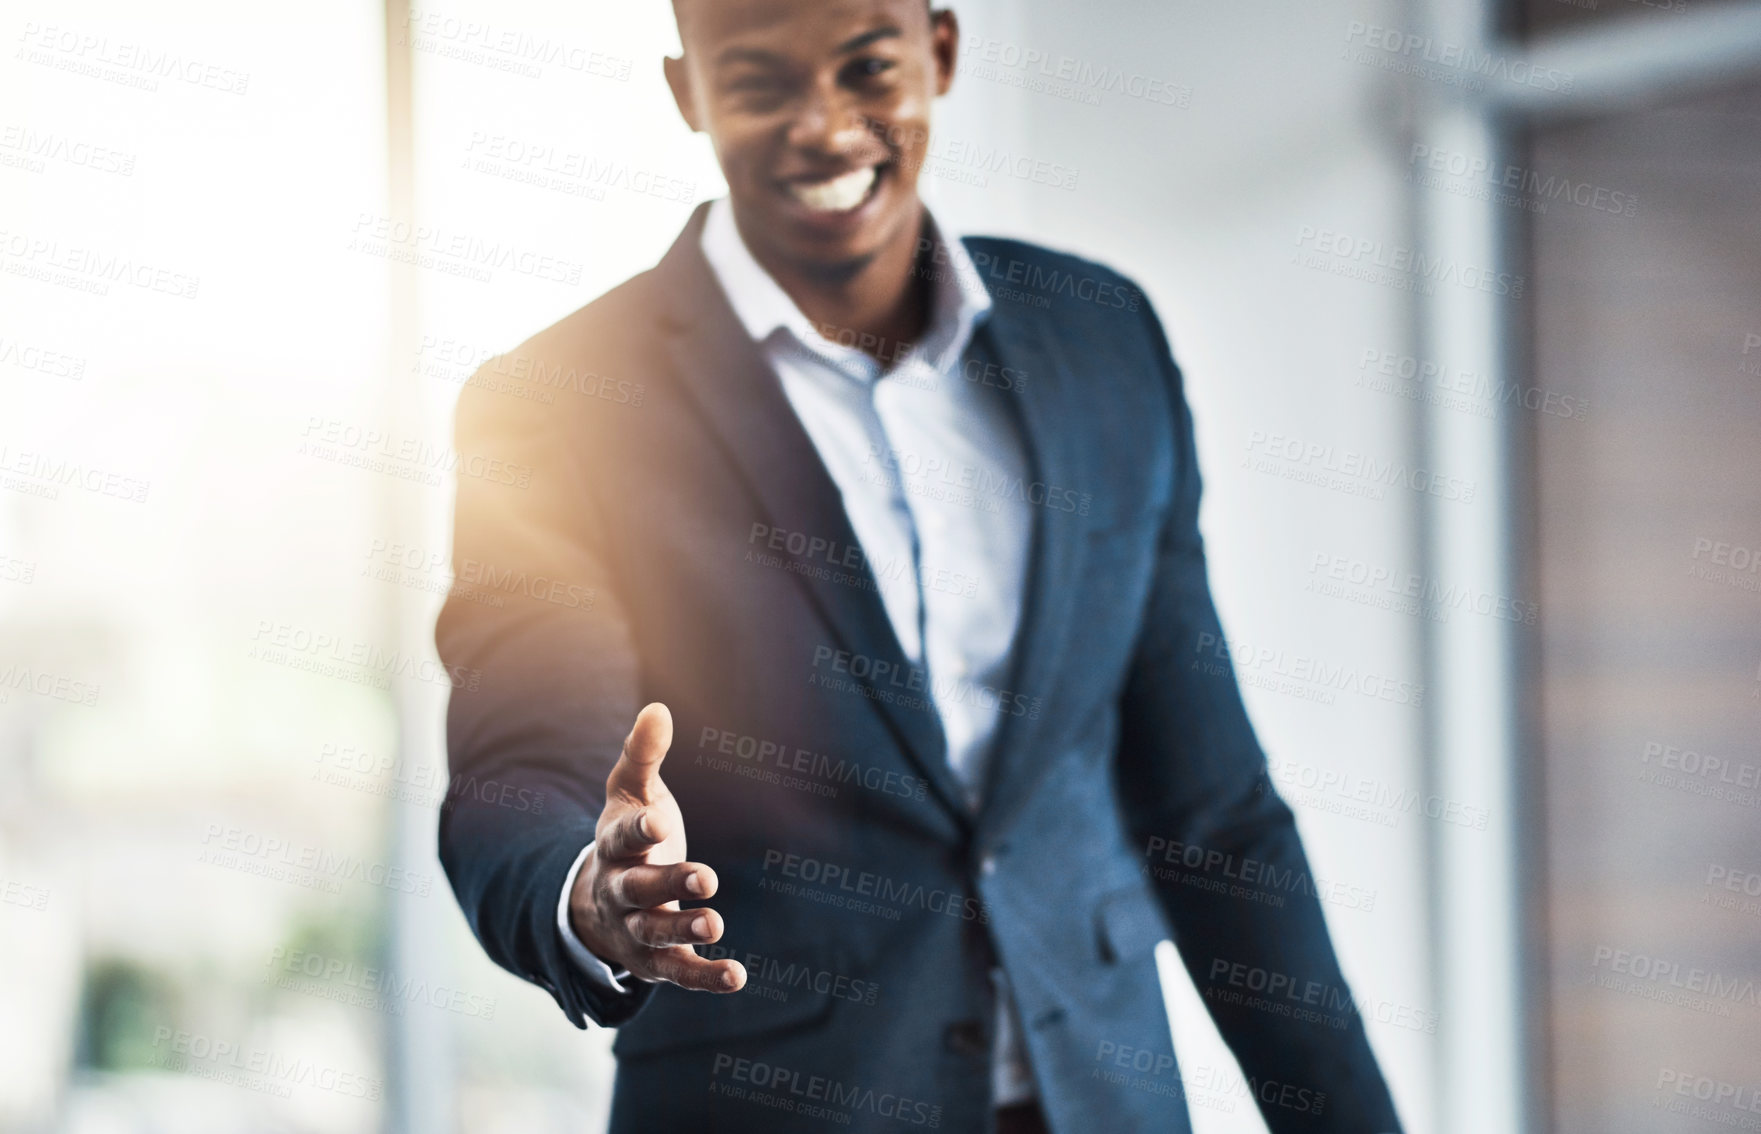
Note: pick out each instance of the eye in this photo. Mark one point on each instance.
(748, 83)
(867, 68)
(757, 92)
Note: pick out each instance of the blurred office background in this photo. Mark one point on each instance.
(1469, 301)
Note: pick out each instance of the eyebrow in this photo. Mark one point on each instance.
(857, 43)
(747, 55)
(767, 58)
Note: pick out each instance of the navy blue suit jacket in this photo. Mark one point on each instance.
(625, 475)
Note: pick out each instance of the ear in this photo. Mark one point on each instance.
(944, 30)
(678, 77)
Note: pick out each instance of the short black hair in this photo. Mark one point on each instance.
(929, 6)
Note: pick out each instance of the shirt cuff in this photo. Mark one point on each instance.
(591, 966)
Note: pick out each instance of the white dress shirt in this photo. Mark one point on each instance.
(920, 451)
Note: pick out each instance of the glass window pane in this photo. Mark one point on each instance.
(1647, 555)
(181, 319)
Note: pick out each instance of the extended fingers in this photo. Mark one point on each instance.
(632, 832)
(643, 886)
(637, 772)
(680, 966)
(660, 928)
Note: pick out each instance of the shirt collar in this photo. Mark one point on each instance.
(958, 299)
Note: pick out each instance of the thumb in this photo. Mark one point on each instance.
(637, 772)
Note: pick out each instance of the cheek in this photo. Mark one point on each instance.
(744, 143)
(741, 151)
(907, 119)
(915, 150)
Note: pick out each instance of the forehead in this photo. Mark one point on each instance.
(707, 27)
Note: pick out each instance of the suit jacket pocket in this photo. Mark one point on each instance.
(780, 995)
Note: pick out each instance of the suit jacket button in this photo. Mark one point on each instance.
(966, 1037)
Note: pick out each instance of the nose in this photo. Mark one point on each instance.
(827, 124)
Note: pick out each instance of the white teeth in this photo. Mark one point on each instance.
(839, 195)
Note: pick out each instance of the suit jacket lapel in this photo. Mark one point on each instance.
(1050, 419)
(744, 405)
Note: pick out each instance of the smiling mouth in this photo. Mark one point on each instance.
(840, 194)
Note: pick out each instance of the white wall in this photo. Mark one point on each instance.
(1203, 205)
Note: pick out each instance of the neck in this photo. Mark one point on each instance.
(883, 299)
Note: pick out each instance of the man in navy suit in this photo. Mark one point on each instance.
(887, 544)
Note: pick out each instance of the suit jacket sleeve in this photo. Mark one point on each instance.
(550, 685)
(1192, 776)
